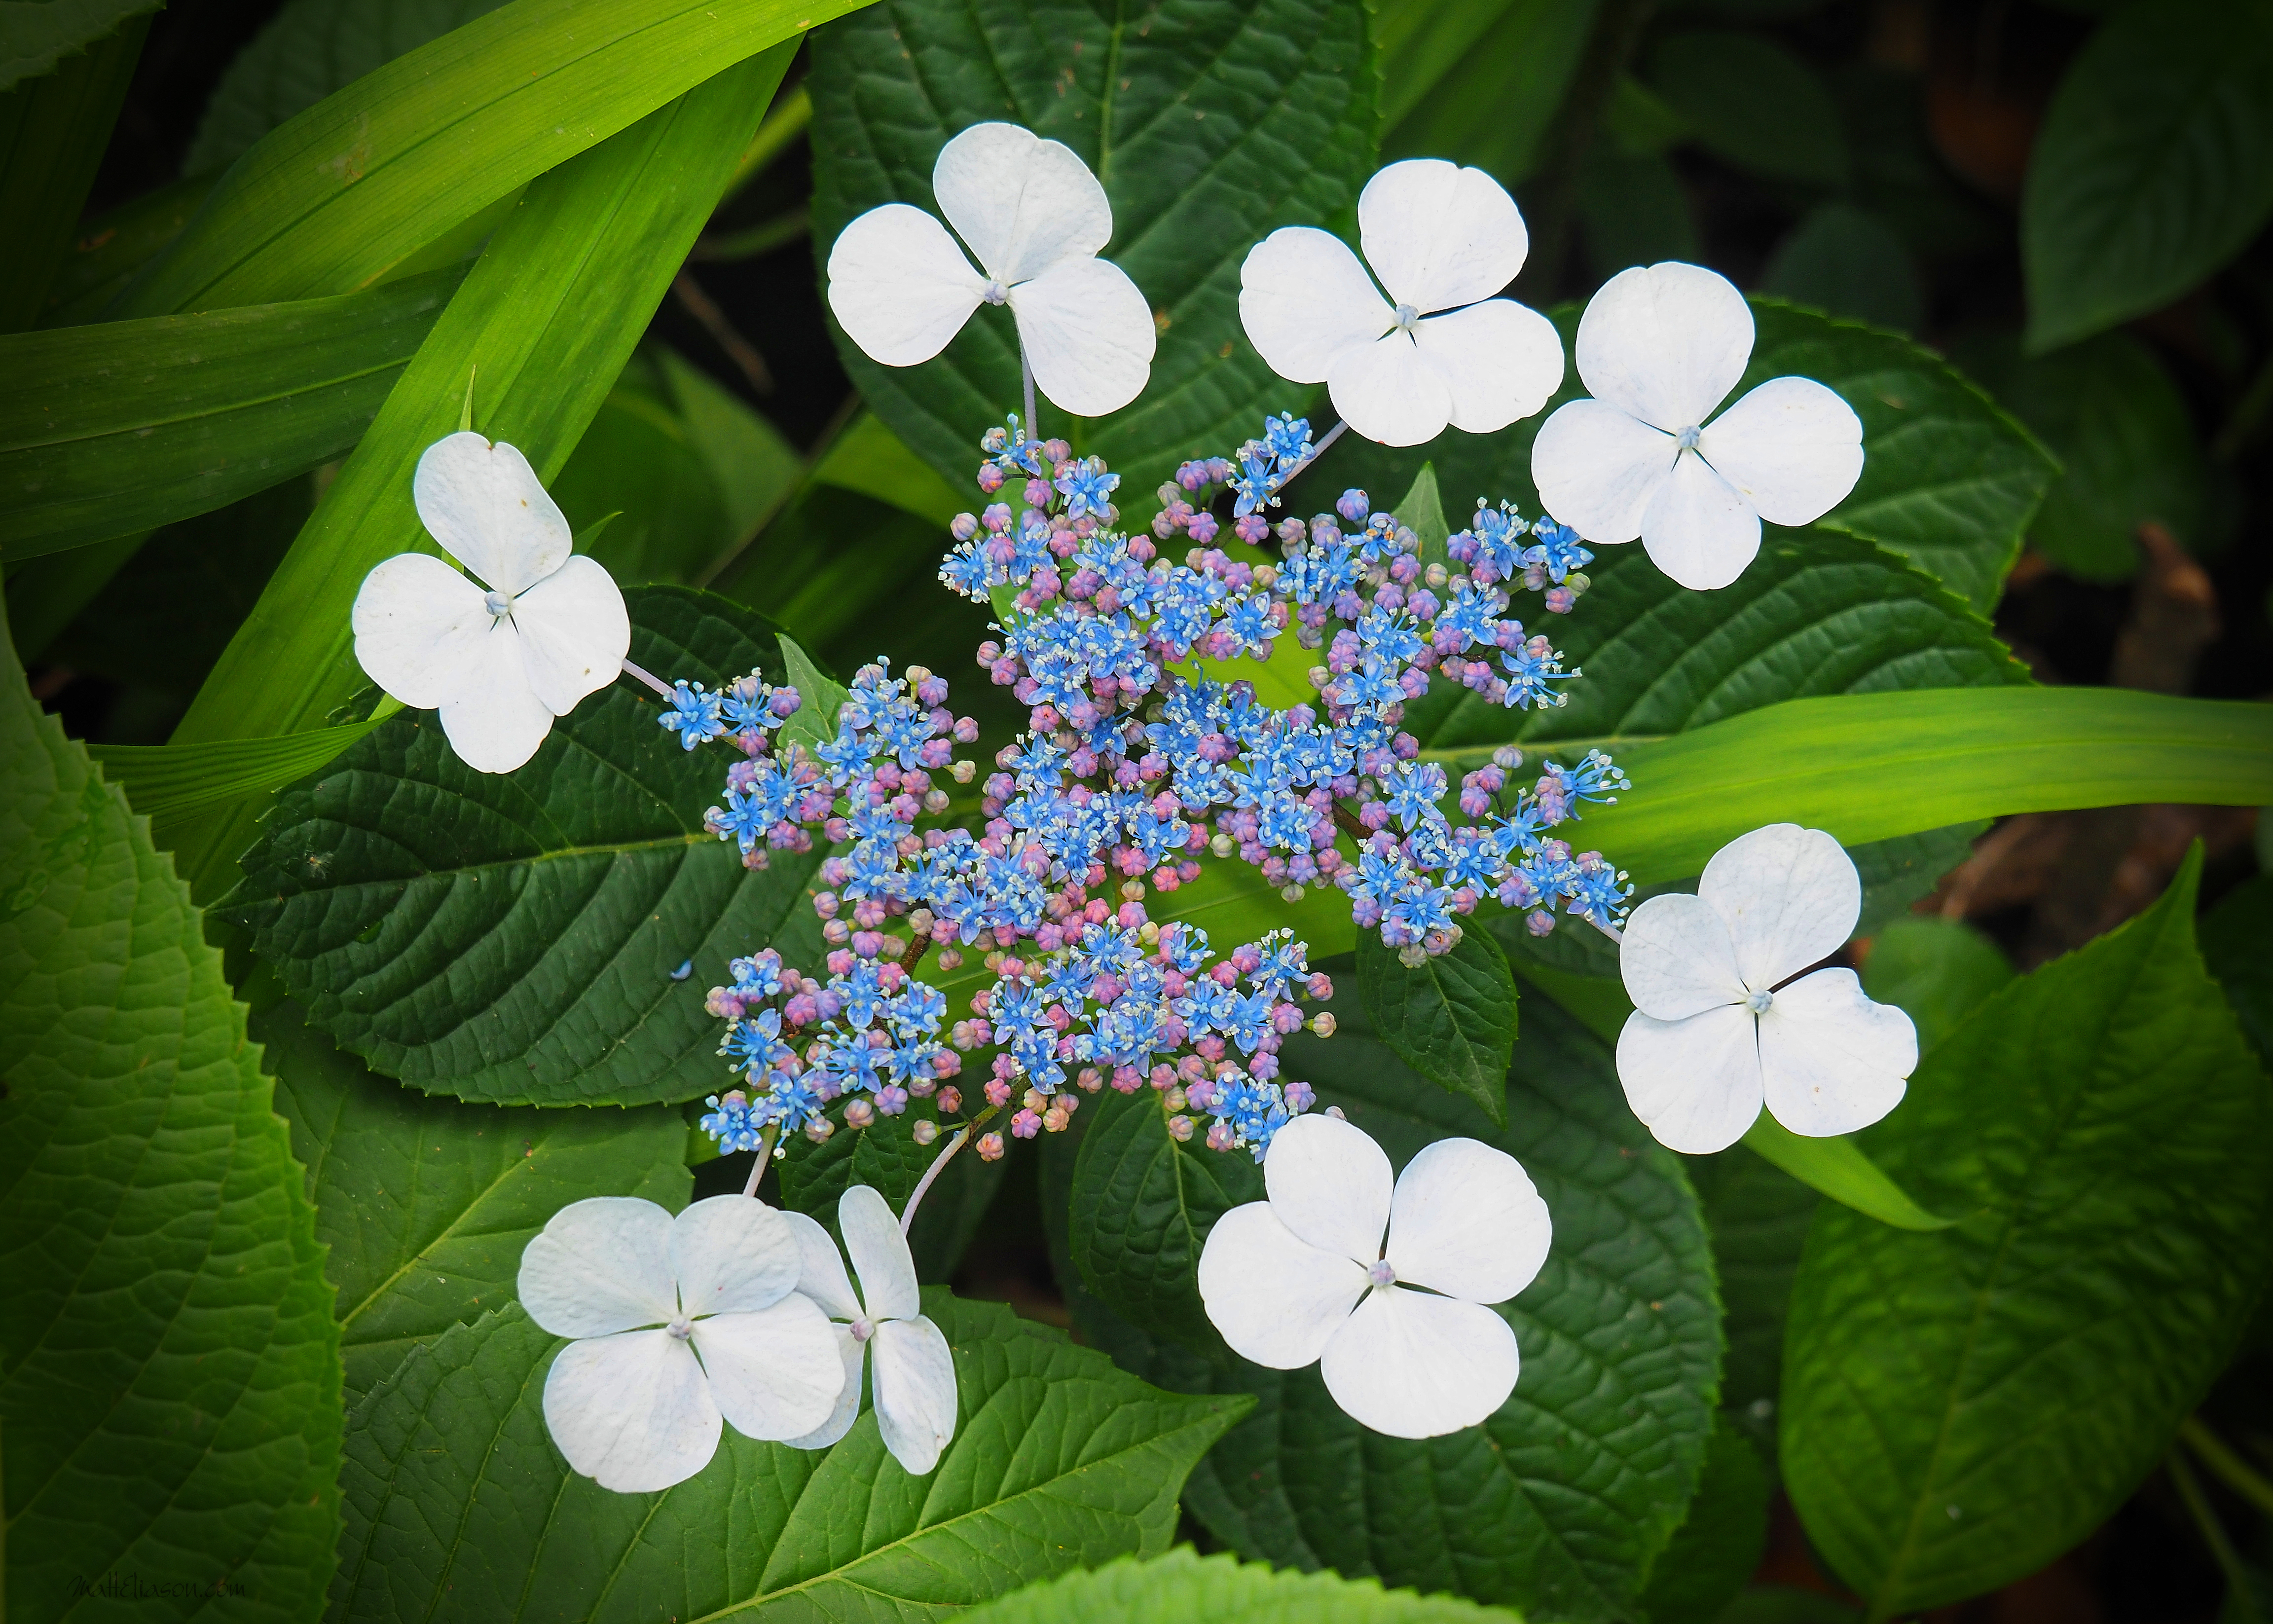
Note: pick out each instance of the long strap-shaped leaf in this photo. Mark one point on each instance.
(173, 780)
(124, 426)
(332, 199)
(543, 324)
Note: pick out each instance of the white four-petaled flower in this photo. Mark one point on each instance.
(1440, 349)
(1716, 1030)
(500, 659)
(913, 1369)
(678, 1322)
(1660, 346)
(1398, 1325)
(1036, 220)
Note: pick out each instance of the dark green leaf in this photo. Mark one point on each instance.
(1634, 210)
(1480, 82)
(33, 38)
(511, 937)
(1752, 101)
(638, 461)
(110, 430)
(886, 1157)
(1220, 1590)
(1845, 260)
(2234, 934)
(109, 248)
(1758, 1214)
(1059, 1461)
(170, 1407)
(1959, 1408)
(1208, 124)
(1896, 873)
(1936, 970)
(53, 130)
(1450, 1018)
(2154, 167)
(1716, 1547)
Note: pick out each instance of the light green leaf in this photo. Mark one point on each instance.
(754, 467)
(1838, 1169)
(1936, 970)
(1848, 261)
(111, 430)
(1962, 1407)
(36, 35)
(513, 937)
(1207, 124)
(53, 132)
(814, 721)
(868, 458)
(640, 461)
(1452, 1018)
(173, 780)
(1221, 1591)
(1059, 1461)
(109, 248)
(170, 1406)
(1718, 1545)
(1749, 101)
(2154, 166)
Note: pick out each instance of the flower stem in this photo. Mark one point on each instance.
(647, 677)
(1318, 450)
(2225, 1464)
(765, 1155)
(962, 1136)
(2238, 1586)
(1026, 368)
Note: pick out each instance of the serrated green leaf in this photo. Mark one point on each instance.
(170, 1406)
(1208, 124)
(1959, 1408)
(424, 1205)
(35, 37)
(114, 429)
(512, 938)
(2154, 166)
(2233, 937)
(1935, 970)
(1059, 1461)
(1558, 1504)
(1719, 1543)
(1186, 1585)
(1452, 1018)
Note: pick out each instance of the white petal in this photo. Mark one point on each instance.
(1665, 342)
(633, 1412)
(1415, 1365)
(899, 286)
(853, 1354)
(486, 505)
(1698, 529)
(600, 1264)
(1502, 359)
(1598, 469)
(1023, 204)
(915, 1392)
(1791, 896)
(732, 1255)
(880, 1255)
(575, 633)
(1330, 1183)
(1468, 1221)
(821, 1270)
(1304, 300)
(1088, 334)
(1792, 446)
(1390, 393)
(777, 1373)
(1275, 1298)
(497, 723)
(1439, 235)
(420, 629)
(1695, 1083)
(1677, 960)
(1832, 1060)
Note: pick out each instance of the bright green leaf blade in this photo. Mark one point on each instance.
(1218, 1589)
(53, 132)
(1936, 970)
(1838, 1169)
(2233, 937)
(1748, 99)
(170, 1408)
(1059, 1461)
(174, 780)
(424, 1205)
(1207, 124)
(548, 317)
(1959, 1408)
(344, 193)
(2154, 166)
(1718, 1545)
(35, 36)
(110, 430)
(513, 937)
(1450, 1018)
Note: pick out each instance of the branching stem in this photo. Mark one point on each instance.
(647, 677)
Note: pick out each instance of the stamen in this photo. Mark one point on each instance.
(1382, 1274)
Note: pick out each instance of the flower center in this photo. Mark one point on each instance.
(996, 293)
(1382, 1274)
(499, 604)
(681, 1327)
(1407, 318)
(862, 1330)
(1758, 1002)
(1687, 439)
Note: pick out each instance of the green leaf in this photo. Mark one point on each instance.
(306, 51)
(1759, 1215)
(822, 697)
(1478, 81)
(1749, 101)
(2233, 937)
(1422, 512)
(424, 1205)
(1848, 261)
(870, 459)
(1896, 872)
(53, 132)
(1959, 1408)
(1634, 210)
(1558, 1504)
(173, 780)
(1208, 124)
(1452, 1018)
(1936, 970)
(1183, 1584)
(36, 35)
(345, 191)
(108, 248)
(1839, 1168)
(546, 320)
(1143, 1203)
(170, 1406)
(639, 462)
(1059, 1461)
(754, 467)
(511, 937)
(1718, 1545)
(2154, 166)
(110, 430)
